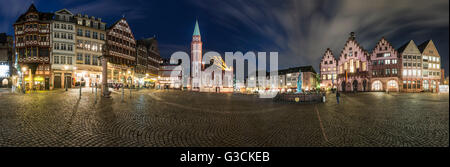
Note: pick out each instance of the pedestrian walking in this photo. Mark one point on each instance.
(337, 96)
(323, 97)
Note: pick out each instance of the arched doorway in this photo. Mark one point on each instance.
(5, 82)
(392, 85)
(364, 85)
(377, 86)
(426, 85)
(343, 86)
(355, 85)
(433, 85)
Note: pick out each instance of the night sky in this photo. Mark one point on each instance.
(299, 30)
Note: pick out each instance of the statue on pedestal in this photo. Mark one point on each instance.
(299, 81)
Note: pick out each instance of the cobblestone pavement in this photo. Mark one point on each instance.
(176, 118)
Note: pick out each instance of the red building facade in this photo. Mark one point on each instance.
(384, 67)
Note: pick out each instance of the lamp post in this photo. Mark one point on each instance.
(82, 79)
(23, 79)
(65, 78)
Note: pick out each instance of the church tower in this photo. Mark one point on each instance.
(196, 58)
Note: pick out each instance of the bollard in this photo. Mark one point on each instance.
(130, 91)
(95, 92)
(123, 92)
(80, 89)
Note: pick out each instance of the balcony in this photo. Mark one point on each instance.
(34, 59)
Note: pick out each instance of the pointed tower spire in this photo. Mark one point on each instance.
(196, 30)
(32, 8)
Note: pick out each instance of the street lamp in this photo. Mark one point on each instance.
(65, 77)
(23, 78)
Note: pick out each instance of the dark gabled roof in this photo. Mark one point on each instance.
(43, 16)
(422, 46)
(32, 8)
(147, 42)
(114, 24)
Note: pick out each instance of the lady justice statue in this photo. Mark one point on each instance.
(299, 81)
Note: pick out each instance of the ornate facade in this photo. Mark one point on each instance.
(411, 67)
(328, 70)
(353, 71)
(431, 66)
(384, 67)
(148, 61)
(32, 45)
(121, 53)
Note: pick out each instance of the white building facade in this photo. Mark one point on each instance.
(63, 49)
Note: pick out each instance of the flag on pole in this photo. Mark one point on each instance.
(346, 76)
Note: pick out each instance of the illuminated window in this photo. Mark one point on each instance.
(376, 86)
(351, 66)
(364, 66)
(414, 72)
(409, 72)
(392, 84)
(345, 66)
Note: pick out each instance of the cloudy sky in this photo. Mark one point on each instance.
(300, 30)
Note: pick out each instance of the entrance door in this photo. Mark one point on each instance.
(57, 82)
(364, 85)
(47, 83)
(343, 86)
(355, 85)
(68, 81)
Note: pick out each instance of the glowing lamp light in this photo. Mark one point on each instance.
(65, 67)
(4, 70)
(24, 69)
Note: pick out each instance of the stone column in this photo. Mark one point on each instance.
(105, 77)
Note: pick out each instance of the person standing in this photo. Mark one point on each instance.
(337, 96)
